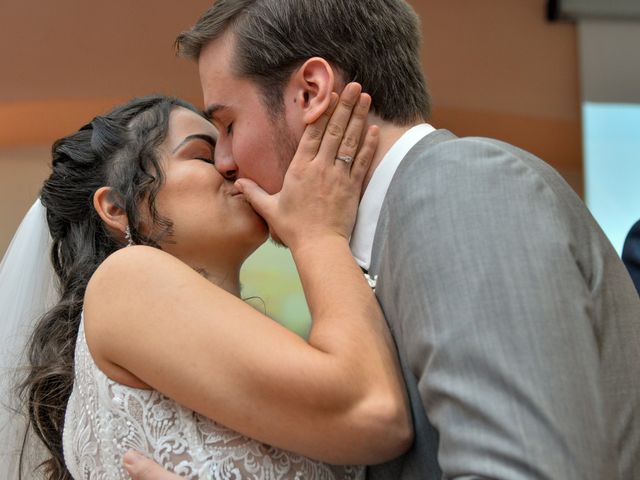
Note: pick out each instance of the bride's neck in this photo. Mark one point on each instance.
(227, 279)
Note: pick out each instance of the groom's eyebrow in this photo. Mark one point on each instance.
(213, 109)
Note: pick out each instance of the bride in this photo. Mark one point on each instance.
(147, 345)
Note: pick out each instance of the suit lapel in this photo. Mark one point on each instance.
(421, 461)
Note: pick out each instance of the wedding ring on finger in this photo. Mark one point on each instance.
(345, 158)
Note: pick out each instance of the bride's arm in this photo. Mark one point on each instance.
(338, 397)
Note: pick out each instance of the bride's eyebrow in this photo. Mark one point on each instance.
(196, 136)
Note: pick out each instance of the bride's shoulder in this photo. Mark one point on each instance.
(126, 291)
(132, 264)
(134, 257)
(131, 277)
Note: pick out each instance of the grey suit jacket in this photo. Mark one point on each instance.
(517, 325)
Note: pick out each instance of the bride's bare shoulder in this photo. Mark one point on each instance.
(131, 265)
(115, 293)
(133, 257)
(132, 277)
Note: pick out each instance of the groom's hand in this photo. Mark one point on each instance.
(141, 468)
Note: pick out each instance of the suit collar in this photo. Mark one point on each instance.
(369, 209)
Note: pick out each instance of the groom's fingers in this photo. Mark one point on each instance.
(141, 468)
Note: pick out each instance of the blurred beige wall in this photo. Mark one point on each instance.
(495, 68)
(22, 170)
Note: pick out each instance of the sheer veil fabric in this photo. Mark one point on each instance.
(27, 291)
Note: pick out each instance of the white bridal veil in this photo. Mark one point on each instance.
(27, 291)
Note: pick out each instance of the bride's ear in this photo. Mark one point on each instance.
(311, 86)
(106, 203)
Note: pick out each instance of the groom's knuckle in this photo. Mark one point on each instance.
(297, 175)
(334, 130)
(350, 142)
(347, 103)
(315, 133)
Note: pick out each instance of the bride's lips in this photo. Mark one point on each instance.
(234, 192)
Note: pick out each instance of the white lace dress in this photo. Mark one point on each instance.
(104, 419)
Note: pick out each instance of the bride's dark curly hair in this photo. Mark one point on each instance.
(119, 150)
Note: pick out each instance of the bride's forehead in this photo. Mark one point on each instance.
(184, 122)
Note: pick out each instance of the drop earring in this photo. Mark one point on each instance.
(127, 236)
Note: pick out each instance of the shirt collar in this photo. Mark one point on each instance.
(371, 203)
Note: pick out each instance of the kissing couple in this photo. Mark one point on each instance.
(470, 319)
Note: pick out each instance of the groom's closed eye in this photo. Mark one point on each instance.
(218, 115)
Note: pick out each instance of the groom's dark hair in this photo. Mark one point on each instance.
(374, 42)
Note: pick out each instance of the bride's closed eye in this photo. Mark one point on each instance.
(198, 146)
(203, 150)
(204, 155)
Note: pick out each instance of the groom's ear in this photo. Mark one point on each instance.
(108, 207)
(311, 86)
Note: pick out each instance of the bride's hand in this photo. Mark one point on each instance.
(140, 467)
(320, 193)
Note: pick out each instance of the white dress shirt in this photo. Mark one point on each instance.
(371, 203)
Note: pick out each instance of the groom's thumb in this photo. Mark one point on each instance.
(261, 201)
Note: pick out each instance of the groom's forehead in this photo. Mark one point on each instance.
(216, 76)
(224, 90)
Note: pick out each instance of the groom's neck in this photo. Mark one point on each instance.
(389, 135)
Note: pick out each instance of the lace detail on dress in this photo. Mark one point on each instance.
(104, 419)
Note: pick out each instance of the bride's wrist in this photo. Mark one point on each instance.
(317, 242)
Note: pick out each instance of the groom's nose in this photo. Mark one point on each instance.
(224, 163)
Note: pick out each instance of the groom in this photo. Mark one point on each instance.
(517, 326)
